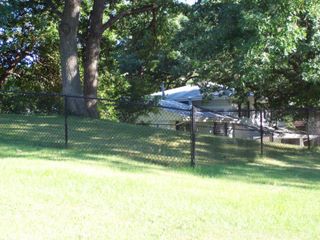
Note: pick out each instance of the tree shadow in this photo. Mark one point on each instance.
(132, 148)
(240, 160)
(293, 156)
(262, 174)
(90, 137)
(212, 149)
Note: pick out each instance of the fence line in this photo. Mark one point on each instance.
(176, 135)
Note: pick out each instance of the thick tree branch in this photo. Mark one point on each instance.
(153, 23)
(130, 12)
(19, 56)
(10, 70)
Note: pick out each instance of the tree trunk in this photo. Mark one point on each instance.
(91, 58)
(93, 48)
(68, 30)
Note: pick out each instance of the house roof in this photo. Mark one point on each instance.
(186, 93)
(174, 105)
(185, 111)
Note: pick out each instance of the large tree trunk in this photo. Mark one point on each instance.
(93, 48)
(91, 58)
(68, 30)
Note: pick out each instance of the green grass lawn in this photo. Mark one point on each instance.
(48, 192)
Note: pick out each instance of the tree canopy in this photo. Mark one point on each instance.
(128, 48)
(269, 48)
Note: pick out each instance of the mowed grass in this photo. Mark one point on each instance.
(97, 136)
(57, 193)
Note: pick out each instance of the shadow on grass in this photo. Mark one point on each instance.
(240, 160)
(262, 174)
(236, 171)
(90, 138)
(27, 152)
(291, 155)
(212, 149)
(128, 148)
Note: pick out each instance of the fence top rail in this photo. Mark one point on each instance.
(288, 109)
(154, 104)
(47, 94)
(104, 101)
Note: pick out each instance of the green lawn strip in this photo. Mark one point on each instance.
(74, 199)
(49, 192)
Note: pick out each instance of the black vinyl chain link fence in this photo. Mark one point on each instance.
(163, 132)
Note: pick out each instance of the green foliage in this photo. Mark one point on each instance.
(144, 53)
(29, 47)
(29, 56)
(269, 48)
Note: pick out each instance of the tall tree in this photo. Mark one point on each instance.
(68, 31)
(114, 11)
(93, 42)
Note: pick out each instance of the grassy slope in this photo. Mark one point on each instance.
(66, 194)
(98, 136)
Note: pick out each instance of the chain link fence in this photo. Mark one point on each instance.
(223, 136)
(248, 135)
(164, 132)
(140, 131)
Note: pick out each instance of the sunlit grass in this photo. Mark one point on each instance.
(117, 198)
(82, 193)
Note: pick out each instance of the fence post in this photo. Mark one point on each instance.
(225, 129)
(308, 132)
(66, 120)
(261, 133)
(233, 130)
(214, 128)
(193, 137)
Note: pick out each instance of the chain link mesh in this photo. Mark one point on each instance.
(249, 135)
(221, 136)
(31, 120)
(165, 133)
(141, 132)
(290, 132)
